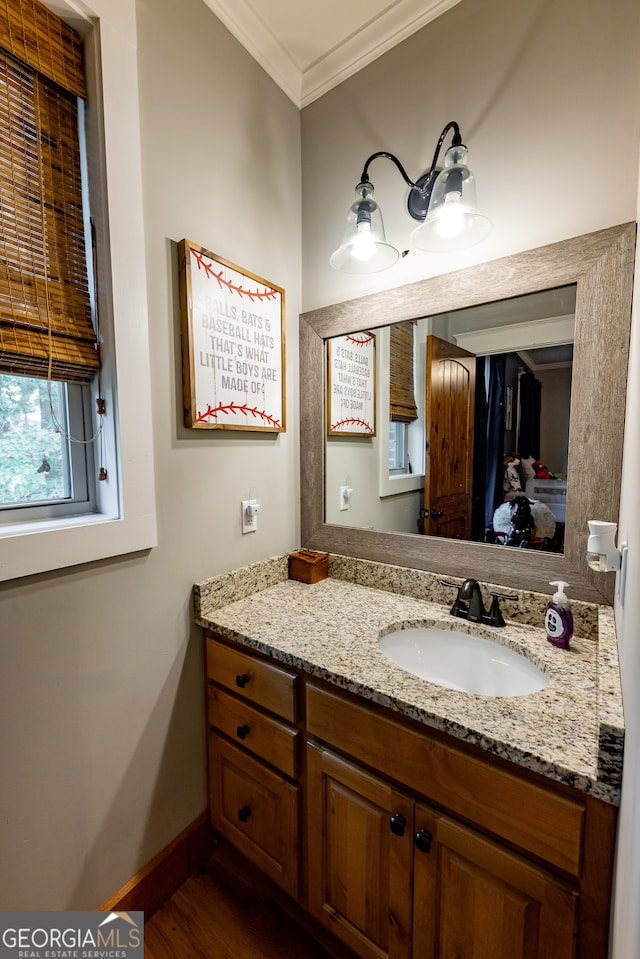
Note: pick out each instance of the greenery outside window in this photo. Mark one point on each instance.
(42, 471)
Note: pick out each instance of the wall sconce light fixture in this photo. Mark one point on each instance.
(443, 200)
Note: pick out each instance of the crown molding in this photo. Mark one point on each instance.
(303, 86)
(383, 33)
(249, 29)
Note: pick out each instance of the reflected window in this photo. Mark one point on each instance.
(398, 454)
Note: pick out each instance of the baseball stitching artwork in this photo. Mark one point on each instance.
(351, 363)
(233, 351)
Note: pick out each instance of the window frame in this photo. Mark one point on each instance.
(124, 519)
(77, 422)
(393, 483)
(398, 427)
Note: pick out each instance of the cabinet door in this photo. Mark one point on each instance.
(473, 899)
(256, 810)
(360, 849)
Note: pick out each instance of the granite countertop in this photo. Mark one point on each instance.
(572, 731)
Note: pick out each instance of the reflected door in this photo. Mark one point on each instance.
(451, 378)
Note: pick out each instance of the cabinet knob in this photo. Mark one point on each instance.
(242, 731)
(242, 680)
(397, 824)
(244, 813)
(423, 840)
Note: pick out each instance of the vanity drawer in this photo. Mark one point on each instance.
(257, 680)
(256, 810)
(268, 737)
(536, 819)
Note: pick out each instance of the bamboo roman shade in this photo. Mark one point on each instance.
(402, 402)
(45, 312)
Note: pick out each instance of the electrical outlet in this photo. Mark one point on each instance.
(250, 510)
(345, 497)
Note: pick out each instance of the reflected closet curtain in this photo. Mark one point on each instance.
(530, 402)
(488, 442)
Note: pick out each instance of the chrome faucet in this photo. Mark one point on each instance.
(470, 605)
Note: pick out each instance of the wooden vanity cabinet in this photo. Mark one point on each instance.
(393, 878)
(475, 899)
(503, 863)
(253, 759)
(414, 846)
(359, 850)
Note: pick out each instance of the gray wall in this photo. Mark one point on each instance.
(101, 689)
(545, 93)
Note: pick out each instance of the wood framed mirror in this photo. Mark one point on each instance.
(601, 265)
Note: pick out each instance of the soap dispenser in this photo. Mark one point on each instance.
(558, 618)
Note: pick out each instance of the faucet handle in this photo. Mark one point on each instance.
(494, 617)
(459, 608)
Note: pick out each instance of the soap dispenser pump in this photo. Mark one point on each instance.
(558, 618)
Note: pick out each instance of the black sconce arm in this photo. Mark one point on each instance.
(456, 142)
(364, 178)
(420, 195)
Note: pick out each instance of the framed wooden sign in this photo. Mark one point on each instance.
(351, 391)
(233, 350)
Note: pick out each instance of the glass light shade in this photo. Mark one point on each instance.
(364, 247)
(453, 220)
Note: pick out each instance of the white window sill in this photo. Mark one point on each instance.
(402, 483)
(35, 547)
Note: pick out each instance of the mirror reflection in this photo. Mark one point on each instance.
(472, 412)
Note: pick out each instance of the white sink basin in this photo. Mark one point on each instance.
(461, 661)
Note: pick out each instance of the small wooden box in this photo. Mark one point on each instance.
(307, 566)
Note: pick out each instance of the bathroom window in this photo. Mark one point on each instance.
(403, 411)
(398, 448)
(402, 401)
(401, 431)
(48, 343)
(76, 466)
(46, 458)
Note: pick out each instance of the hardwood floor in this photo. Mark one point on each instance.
(223, 912)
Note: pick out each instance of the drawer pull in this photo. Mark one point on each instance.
(397, 824)
(423, 840)
(242, 680)
(244, 813)
(242, 731)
